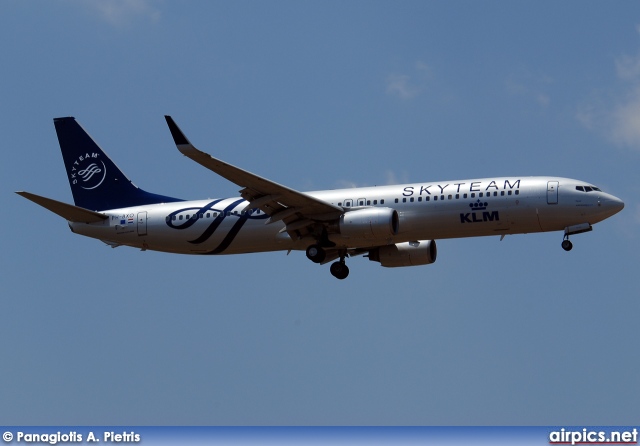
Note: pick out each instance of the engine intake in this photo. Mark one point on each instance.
(369, 223)
(421, 252)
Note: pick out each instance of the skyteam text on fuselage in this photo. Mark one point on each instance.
(394, 225)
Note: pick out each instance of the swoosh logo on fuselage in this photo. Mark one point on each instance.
(215, 224)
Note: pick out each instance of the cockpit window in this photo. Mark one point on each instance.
(587, 188)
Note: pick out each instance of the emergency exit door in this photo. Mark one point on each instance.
(552, 192)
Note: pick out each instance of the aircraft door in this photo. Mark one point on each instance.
(142, 223)
(552, 192)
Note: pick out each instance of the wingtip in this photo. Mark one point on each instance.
(176, 133)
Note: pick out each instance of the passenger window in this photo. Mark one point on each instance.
(464, 196)
(502, 193)
(419, 198)
(396, 200)
(509, 193)
(404, 200)
(381, 201)
(427, 198)
(173, 217)
(411, 199)
(435, 198)
(457, 196)
(375, 202)
(180, 218)
(368, 202)
(449, 197)
(473, 195)
(480, 194)
(517, 191)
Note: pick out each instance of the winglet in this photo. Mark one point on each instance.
(177, 134)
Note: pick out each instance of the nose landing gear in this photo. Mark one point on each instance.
(566, 244)
(571, 230)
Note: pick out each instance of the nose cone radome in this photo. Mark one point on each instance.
(612, 204)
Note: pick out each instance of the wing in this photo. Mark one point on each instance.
(298, 210)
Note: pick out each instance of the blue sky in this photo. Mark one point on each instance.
(320, 95)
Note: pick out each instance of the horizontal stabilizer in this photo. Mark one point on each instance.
(64, 210)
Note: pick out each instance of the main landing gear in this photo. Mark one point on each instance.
(316, 254)
(338, 269)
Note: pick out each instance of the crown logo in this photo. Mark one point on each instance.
(478, 205)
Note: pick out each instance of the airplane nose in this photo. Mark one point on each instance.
(613, 204)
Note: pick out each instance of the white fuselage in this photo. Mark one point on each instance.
(427, 211)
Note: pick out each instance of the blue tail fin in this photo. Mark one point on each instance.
(96, 182)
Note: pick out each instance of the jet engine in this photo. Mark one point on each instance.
(369, 223)
(421, 252)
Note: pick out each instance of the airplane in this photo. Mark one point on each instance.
(396, 226)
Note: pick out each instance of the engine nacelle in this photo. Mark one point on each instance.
(422, 252)
(369, 223)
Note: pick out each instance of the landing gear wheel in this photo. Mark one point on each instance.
(316, 254)
(339, 270)
(567, 245)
